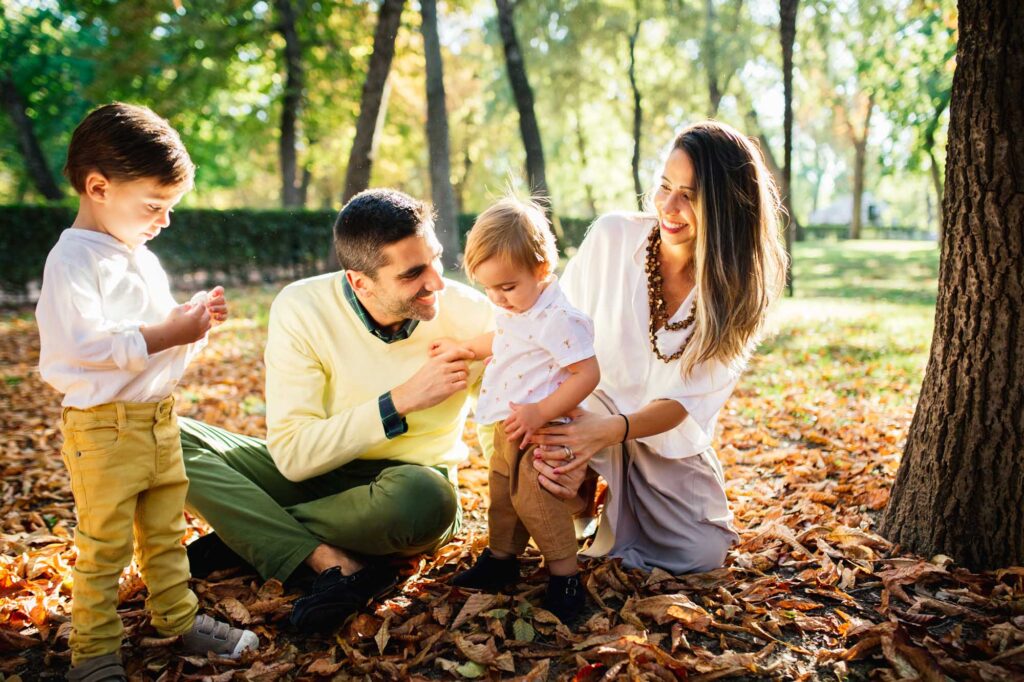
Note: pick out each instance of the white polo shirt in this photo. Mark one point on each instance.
(97, 293)
(531, 351)
(606, 280)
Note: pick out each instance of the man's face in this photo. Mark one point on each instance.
(406, 287)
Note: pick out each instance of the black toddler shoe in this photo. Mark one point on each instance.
(489, 573)
(565, 597)
(335, 596)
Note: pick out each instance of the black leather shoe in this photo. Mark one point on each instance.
(489, 573)
(335, 596)
(565, 597)
(209, 553)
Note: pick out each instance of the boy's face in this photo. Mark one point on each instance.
(512, 287)
(132, 211)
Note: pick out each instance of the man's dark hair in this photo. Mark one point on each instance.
(126, 142)
(373, 219)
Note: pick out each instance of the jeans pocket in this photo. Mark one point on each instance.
(96, 439)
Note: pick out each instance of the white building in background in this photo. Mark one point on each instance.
(840, 211)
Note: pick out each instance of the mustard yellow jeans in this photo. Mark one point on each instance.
(128, 478)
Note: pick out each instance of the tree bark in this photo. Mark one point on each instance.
(787, 34)
(360, 160)
(960, 486)
(638, 116)
(447, 225)
(28, 143)
(291, 104)
(528, 128)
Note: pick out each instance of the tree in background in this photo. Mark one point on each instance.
(41, 84)
(787, 36)
(638, 111)
(528, 128)
(292, 193)
(961, 481)
(447, 225)
(360, 160)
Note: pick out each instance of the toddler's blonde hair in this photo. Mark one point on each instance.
(515, 231)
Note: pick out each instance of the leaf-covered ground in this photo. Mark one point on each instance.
(810, 443)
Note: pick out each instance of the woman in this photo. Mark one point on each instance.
(678, 297)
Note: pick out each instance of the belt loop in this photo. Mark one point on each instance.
(64, 415)
(122, 416)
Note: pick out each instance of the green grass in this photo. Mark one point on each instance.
(859, 325)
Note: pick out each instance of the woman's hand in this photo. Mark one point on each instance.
(564, 451)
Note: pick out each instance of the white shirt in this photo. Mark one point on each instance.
(531, 351)
(606, 280)
(97, 293)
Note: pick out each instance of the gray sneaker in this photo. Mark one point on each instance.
(105, 668)
(209, 634)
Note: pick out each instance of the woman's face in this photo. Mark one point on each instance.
(674, 200)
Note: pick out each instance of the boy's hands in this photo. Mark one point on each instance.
(217, 305)
(188, 323)
(524, 420)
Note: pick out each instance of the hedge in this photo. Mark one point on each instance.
(228, 246)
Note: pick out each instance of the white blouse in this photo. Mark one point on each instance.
(606, 280)
(531, 351)
(97, 293)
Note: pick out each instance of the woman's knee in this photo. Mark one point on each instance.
(709, 552)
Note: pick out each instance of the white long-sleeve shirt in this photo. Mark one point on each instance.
(97, 293)
(607, 281)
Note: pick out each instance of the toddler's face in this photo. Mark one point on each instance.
(512, 287)
(135, 211)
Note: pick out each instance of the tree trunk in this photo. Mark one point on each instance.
(769, 160)
(710, 58)
(960, 486)
(360, 159)
(787, 34)
(581, 145)
(28, 143)
(860, 157)
(524, 101)
(447, 225)
(937, 186)
(291, 104)
(638, 116)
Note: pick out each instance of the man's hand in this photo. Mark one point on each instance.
(217, 305)
(438, 379)
(524, 420)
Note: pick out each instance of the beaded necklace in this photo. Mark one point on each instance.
(659, 315)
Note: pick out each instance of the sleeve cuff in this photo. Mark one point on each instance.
(394, 424)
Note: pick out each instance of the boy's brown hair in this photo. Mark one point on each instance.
(126, 142)
(517, 232)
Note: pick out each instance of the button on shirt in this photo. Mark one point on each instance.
(606, 280)
(97, 293)
(531, 351)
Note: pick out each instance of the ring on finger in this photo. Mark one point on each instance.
(568, 453)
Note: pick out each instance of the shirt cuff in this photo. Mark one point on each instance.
(394, 424)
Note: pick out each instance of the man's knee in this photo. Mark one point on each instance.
(425, 502)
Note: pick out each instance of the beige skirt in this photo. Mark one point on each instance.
(670, 513)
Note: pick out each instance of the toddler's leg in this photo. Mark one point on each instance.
(547, 518)
(506, 532)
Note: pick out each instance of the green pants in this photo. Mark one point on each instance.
(371, 507)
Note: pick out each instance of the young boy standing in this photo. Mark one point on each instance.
(542, 368)
(115, 343)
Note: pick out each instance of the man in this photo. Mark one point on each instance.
(363, 429)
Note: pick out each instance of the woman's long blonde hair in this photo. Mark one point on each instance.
(740, 261)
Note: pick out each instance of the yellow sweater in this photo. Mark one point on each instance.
(325, 371)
